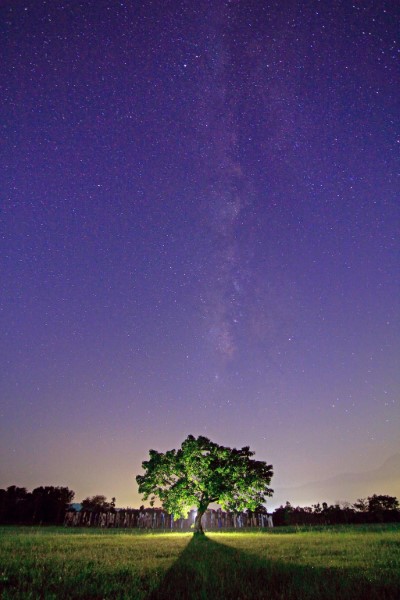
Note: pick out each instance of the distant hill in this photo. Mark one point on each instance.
(345, 486)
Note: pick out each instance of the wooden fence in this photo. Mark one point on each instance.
(159, 519)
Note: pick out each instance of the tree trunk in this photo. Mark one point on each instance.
(198, 528)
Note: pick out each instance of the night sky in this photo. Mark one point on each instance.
(200, 234)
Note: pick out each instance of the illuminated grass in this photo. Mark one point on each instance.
(343, 562)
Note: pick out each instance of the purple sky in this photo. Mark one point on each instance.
(200, 234)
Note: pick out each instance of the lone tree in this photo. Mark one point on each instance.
(201, 472)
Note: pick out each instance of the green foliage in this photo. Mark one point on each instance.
(201, 472)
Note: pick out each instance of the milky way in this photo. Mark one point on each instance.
(200, 234)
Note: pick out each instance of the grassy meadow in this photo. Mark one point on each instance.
(322, 563)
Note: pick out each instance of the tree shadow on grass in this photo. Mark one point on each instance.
(209, 570)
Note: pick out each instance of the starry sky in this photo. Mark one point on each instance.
(200, 234)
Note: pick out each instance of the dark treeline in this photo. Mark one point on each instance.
(374, 509)
(46, 505)
(52, 506)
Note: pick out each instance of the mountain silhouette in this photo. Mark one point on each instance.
(345, 486)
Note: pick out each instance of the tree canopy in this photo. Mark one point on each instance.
(382, 502)
(202, 472)
(45, 504)
(98, 504)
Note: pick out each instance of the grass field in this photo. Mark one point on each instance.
(325, 563)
